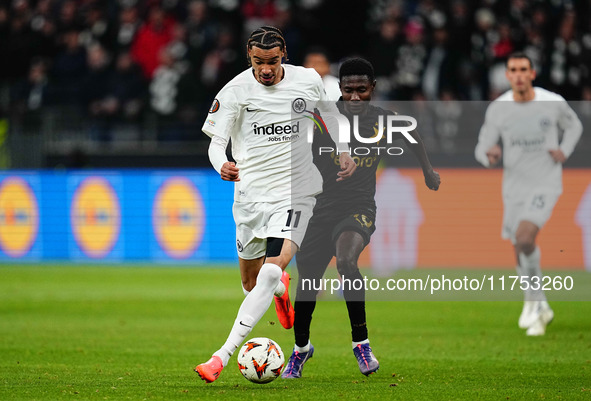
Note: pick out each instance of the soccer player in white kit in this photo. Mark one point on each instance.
(528, 120)
(274, 175)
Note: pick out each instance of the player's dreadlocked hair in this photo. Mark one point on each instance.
(266, 37)
(356, 66)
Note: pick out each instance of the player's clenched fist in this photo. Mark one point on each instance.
(432, 179)
(557, 155)
(494, 155)
(229, 172)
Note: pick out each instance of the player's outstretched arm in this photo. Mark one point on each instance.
(432, 178)
(348, 166)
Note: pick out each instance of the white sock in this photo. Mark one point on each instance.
(522, 272)
(356, 343)
(530, 267)
(279, 290)
(305, 348)
(252, 309)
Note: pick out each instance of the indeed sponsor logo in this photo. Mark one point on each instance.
(276, 129)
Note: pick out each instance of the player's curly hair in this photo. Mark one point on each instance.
(266, 37)
(356, 66)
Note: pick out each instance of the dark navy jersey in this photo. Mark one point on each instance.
(356, 193)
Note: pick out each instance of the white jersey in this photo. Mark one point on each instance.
(528, 130)
(269, 137)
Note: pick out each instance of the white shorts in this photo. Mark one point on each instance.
(257, 221)
(536, 208)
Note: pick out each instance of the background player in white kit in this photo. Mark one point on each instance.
(528, 120)
(275, 177)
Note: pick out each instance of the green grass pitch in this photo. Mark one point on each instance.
(136, 333)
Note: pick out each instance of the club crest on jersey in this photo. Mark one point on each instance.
(299, 105)
(215, 106)
(545, 124)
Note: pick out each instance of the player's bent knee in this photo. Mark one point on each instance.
(525, 243)
(269, 275)
(347, 266)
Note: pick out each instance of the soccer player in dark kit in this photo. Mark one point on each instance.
(344, 216)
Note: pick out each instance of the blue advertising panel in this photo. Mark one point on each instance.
(95, 216)
(178, 216)
(116, 216)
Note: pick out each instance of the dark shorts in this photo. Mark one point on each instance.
(362, 223)
(325, 228)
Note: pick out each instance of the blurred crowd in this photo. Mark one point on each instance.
(119, 61)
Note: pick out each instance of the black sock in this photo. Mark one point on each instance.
(355, 299)
(303, 318)
(358, 322)
(311, 265)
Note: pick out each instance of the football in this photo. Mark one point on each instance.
(260, 360)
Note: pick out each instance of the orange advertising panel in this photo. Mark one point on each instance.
(460, 225)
